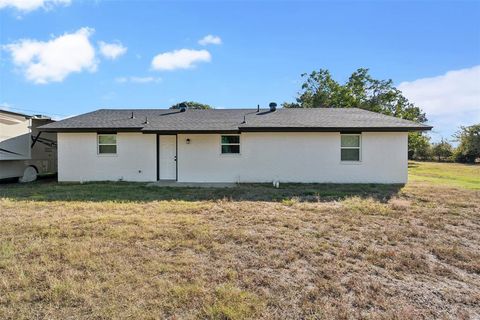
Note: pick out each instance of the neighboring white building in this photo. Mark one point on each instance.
(321, 145)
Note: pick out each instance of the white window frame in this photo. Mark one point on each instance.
(359, 135)
(239, 144)
(107, 144)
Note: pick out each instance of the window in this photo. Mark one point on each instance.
(350, 147)
(230, 144)
(107, 144)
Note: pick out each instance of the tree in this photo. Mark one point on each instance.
(442, 150)
(419, 147)
(191, 105)
(468, 149)
(320, 90)
(362, 91)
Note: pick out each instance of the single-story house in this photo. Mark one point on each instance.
(319, 145)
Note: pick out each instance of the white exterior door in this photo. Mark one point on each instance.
(167, 157)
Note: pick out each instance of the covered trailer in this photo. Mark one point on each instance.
(25, 152)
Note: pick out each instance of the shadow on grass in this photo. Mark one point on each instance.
(50, 190)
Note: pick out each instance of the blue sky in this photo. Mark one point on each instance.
(67, 57)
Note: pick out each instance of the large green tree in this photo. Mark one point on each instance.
(442, 150)
(320, 90)
(361, 90)
(191, 105)
(468, 149)
(419, 147)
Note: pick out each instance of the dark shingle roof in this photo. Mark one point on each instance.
(223, 120)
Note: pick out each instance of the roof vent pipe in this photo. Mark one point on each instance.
(258, 108)
(132, 116)
(146, 120)
(273, 106)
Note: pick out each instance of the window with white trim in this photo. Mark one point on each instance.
(350, 147)
(230, 144)
(107, 143)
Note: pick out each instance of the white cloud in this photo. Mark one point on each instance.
(452, 93)
(138, 79)
(62, 117)
(51, 61)
(210, 39)
(30, 5)
(112, 50)
(144, 79)
(449, 100)
(180, 59)
(5, 106)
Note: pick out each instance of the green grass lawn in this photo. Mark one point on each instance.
(317, 251)
(451, 174)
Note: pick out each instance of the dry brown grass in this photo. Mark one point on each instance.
(416, 255)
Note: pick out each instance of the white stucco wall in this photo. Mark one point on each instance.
(265, 157)
(293, 157)
(78, 159)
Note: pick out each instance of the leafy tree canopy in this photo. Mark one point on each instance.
(361, 90)
(442, 150)
(191, 105)
(419, 147)
(468, 149)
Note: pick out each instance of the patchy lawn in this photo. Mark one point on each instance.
(120, 250)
